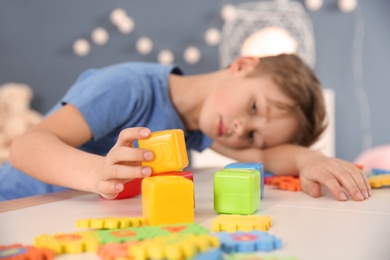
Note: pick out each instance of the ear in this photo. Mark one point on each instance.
(244, 64)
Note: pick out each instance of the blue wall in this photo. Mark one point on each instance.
(36, 40)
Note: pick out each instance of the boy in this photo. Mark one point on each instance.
(264, 110)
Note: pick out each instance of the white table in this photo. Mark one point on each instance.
(310, 229)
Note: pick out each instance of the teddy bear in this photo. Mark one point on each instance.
(16, 116)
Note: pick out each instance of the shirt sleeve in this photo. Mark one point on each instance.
(107, 98)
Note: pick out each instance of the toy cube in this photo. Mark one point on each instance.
(253, 166)
(131, 189)
(185, 174)
(169, 148)
(167, 200)
(236, 191)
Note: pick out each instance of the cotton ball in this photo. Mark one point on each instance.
(126, 26)
(165, 57)
(313, 5)
(99, 36)
(144, 45)
(228, 13)
(81, 47)
(212, 36)
(192, 55)
(117, 16)
(347, 5)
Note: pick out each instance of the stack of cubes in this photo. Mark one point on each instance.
(238, 188)
(168, 195)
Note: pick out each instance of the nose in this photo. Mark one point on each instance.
(243, 126)
(239, 127)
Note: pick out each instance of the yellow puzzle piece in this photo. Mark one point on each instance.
(73, 243)
(378, 181)
(173, 247)
(233, 223)
(110, 223)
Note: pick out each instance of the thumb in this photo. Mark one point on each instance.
(109, 189)
(311, 187)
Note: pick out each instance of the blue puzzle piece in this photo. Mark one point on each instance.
(377, 171)
(247, 242)
(213, 254)
(252, 166)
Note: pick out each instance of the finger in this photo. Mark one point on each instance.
(363, 184)
(123, 172)
(367, 183)
(129, 154)
(330, 182)
(109, 189)
(351, 180)
(128, 135)
(310, 187)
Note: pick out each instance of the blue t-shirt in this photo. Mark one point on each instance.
(110, 100)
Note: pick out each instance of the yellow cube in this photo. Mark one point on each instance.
(167, 200)
(169, 148)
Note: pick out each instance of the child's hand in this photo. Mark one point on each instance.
(335, 174)
(123, 163)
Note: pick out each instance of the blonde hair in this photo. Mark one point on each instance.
(298, 82)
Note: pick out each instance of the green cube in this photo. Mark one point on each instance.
(236, 191)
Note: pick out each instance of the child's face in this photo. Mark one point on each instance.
(241, 113)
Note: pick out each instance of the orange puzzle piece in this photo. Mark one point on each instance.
(290, 183)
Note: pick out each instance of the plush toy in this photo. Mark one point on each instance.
(16, 116)
(377, 157)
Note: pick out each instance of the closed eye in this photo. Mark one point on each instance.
(254, 107)
(251, 136)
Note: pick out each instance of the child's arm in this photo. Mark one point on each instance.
(47, 152)
(314, 169)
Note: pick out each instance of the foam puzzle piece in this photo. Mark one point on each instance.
(378, 171)
(169, 148)
(378, 181)
(258, 257)
(147, 232)
(115, 251)
(122, 235)
(71, 243)
(21, 252)
(110, 223)
(167, 200)
(236, 191)
(180, 228)
(175, 246)
(233, 223)
(253, 166)
(212, 254)
(290, 183)
(248, 242)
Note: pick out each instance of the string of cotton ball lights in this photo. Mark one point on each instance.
(344, 5)
(100, 36)
(81, 47)
(165, 57)
(122, 21)
(347, 5)
(144, 45)
(192, 55)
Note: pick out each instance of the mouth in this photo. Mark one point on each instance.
(220, 129)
